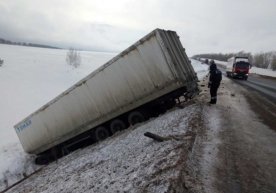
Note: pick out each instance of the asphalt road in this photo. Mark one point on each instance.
(261, 95)
(266, 86)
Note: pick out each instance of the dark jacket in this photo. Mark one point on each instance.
(215, 76)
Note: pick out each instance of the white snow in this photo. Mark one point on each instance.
(264, 72)
(200, 68)
(29, 78)
(210, 149)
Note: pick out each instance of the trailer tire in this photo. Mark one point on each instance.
(42, 160)
(135, 117)
(101, 133)
(117, 125)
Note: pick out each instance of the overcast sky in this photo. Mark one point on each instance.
(204, 26)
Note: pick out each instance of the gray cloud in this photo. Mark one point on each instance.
(106, 25)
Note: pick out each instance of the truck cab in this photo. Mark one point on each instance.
(238, 67)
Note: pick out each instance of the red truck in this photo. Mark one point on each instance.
(238, 67)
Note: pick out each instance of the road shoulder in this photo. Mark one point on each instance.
(235, 151)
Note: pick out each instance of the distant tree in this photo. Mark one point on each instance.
(73, 58)
(258, 60)
(1, 62)
(262, 60)
(223, 57)
(273, 63)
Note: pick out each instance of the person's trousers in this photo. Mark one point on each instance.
(213, 92)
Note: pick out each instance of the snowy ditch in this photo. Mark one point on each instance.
(126, 162)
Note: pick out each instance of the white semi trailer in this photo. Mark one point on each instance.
(141, 80)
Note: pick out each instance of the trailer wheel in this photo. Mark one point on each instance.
(117, 125)
(135, 117)
(42, 160)
(101, 133)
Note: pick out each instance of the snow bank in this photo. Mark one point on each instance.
(264, 72)
(15, 164)
(200, 68)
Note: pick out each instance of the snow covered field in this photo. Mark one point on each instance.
(29, 78)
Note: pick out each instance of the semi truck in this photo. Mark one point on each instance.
(141, 81)
(238, 67)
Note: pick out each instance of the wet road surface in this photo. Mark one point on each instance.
(264, 85)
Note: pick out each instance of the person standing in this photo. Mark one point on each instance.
(214, 81)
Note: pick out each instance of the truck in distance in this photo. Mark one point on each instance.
(140, 82)
(238, 67)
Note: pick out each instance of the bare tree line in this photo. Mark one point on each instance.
(3, 41)
(262, 60)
